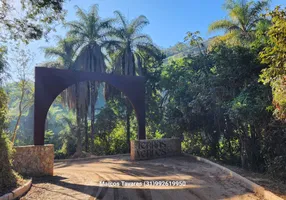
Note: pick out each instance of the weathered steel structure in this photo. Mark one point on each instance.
(49, 83)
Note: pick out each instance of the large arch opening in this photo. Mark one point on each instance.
(101, 130)
(49, 83)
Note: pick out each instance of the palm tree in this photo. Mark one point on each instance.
(90, 31)
(65, 51)
(128, 45)
(73, 96)
(243, 19)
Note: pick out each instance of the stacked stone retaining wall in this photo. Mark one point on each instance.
(148, 149)
(34, 160)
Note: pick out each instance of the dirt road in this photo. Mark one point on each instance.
(81, 180)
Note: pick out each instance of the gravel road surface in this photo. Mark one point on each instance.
(118, 178)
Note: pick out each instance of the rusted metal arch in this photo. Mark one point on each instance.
(49, 83)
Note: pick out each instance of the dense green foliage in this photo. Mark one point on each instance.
(244, 20)
(215, 101)
(218, 104)
(8, 178)
(36, 20)
(274, 56)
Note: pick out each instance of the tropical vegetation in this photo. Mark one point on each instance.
(244, 19)
(223, 96)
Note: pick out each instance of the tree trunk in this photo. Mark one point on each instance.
(92, 108)
(78, 121)
(128, 132)
(16, 127)
(19, 116)
(128, 129)
(86, 130)
(243, 155)
(255, 150)
(93, 96)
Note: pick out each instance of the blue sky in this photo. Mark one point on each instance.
(169, 19)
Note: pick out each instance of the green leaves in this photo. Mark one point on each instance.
(243, 18)
(129, 46)
(7, 176)
(223, 25)
(274, 55)
(65, 51)
(213, 98)
(37, 19)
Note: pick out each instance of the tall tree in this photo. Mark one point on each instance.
(274, 56)
(90, 31)
(130, 44)
(8, 177)
(38, 19)
(65, 51)
(25, 90)
(243, 18)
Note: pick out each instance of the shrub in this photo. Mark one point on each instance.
(274, 151)
(59, 154)
(8, 178)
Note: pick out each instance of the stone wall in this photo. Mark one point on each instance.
(147, 149)
(34, 160)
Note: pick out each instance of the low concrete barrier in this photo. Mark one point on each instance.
(34, 160)
(15, 194)
(148, 149)
(257, 189)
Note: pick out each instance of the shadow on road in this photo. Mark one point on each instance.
(77, 179)
(198, 192)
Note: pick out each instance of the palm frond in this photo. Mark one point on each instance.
(137, 24)
(239, 14)
(65, 50)
(53, 52)
(243, 14)
(121, 18)
(104, 27)
(229, 4)
(149, 50)
(223, 25)
(81, 14)
(254, 14)
(76, 28)
(258, 7)
(94, 9)
(119, 33)
(111, 44)
(142, 38)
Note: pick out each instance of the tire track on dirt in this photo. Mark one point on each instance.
(141, 193)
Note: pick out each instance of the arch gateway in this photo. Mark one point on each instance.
(38, 159)
(50, 82)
